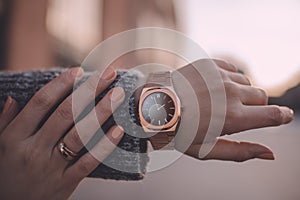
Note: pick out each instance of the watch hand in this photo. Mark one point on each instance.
(161, 107)
(155, 102)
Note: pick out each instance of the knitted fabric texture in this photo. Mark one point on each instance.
(130, 159)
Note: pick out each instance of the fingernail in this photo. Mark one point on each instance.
(77, 72)
(262, 152)
(288, 115)
(7, 105)
(291, 113)
(117, 94)
(118, 132)
(109, 74)
(266, 156)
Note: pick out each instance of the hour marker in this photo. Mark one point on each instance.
(170, 115)
(166, 120)
(165, 96)
(169, 101)
(172, 108)
(158, 95)
(152, 120)
(158, 122)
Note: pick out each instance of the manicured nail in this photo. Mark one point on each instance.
(118, 132)
(288, 114)
(77, 72)
(117, 94)
(109, 74)
(292, 113)
(266, 156)
(7, 105)
(262, 152)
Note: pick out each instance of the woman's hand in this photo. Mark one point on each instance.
(32, 166)
(246, 108)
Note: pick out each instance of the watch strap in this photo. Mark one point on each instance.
(159, 79)
(161, 140)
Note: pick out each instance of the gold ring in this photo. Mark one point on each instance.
(66, 153)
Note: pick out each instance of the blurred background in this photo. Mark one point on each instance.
(261, 37)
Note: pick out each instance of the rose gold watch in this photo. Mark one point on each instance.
(160, 110)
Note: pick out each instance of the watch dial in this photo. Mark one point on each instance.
(158, 109)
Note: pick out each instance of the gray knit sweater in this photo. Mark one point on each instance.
(23, 85)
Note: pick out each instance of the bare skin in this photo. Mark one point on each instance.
(31, 162)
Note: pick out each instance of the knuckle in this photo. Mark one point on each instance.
(66, 78)
(263, 96)
(65, 111)
(103, 110)
(275, 116)
(221, 63)
(234, 113)
(231, 87)
(233, 119)
(92, 83)
(42, 100)
(107, 147)
(218, 60)
(100, 116)
(246, 79)
(225, 64)
(224, 75)
(243, 155)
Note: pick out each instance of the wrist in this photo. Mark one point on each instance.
(159, 109)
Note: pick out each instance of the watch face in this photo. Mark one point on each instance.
(158, 108)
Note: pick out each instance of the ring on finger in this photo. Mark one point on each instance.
(66, 153)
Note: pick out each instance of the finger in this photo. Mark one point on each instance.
(239, 78)
(225, 65)
(233, 151)
(84, 130)
(42, 102)
(9, 112)
(253, 96)
(89, 161)
(264, 116)
(64, 116)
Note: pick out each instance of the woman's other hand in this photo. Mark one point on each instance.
(32, 167)
(246, 108)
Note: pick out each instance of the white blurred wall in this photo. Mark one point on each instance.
(264, 34)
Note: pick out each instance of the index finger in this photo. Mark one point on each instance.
(265, 116)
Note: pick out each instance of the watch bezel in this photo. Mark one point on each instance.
(171, 124)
